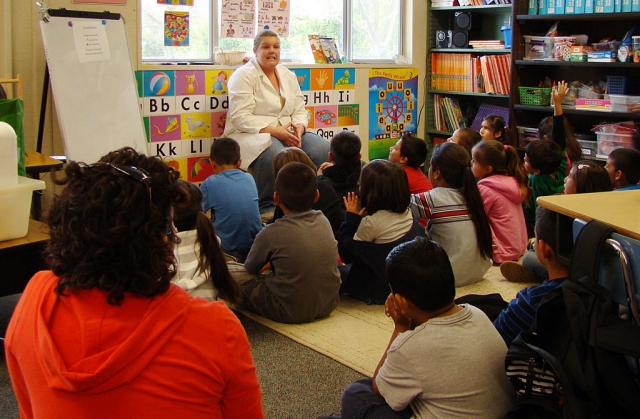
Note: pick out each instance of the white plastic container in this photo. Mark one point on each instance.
(607, 142)
(15, 207)
(538, 48)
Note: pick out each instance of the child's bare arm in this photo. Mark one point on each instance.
(558, 92)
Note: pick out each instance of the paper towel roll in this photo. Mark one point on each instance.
(8, 155)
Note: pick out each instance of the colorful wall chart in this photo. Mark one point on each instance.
(393, 103)
(176, 29)
(274, 15)
(238, 19)
(184, 110)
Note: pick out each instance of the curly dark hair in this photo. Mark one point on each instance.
(111, 230)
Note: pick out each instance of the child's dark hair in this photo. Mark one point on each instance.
(546, 227)
(627, 160)
(498, 126)
(504, 160)
(590, 177)
(452, 160)
(414, 149)
(288, 155)
(190, 216)
(468, 138)
(420, 271)
(296, 185)
(573, 148)
(545, 156)
(384, 186)
(345, 148)
(225, 151)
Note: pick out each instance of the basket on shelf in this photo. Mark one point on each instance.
(618, 85)
(536, 96)
(228, 57)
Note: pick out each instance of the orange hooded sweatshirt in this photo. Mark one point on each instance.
(169, 356)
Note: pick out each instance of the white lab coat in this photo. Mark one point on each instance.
(254, 103)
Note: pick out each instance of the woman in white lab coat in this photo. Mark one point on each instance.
(267, 114)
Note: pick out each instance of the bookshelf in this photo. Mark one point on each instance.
(530, 73)
(486, 21)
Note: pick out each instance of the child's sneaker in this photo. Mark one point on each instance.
(514, 272)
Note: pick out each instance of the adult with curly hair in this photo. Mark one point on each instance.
(105, 333)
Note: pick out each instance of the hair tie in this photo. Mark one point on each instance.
(506, 147)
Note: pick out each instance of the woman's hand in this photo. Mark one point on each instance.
(283, 133)
(298, 131)
(352, 203)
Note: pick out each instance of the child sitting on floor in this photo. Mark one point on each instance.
(328, 203)
(202, 270)
(623, 166)
(443, 360)
(586, 176)
(304, 281)
(494, 127)
(365, 241)
(454, 207)
(466, 137)
(503, 187)
(520, 314)
(231, 195)
(344, 165)
(410, 152)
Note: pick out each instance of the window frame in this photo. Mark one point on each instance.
(347, 38)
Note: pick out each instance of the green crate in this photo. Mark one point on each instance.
(537, 96)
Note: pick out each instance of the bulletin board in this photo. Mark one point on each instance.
(93, 83)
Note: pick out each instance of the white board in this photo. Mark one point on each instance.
(93, 83)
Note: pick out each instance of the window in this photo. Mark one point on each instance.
(366, 30)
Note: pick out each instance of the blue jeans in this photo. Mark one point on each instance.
(316, 147)
(360, 402)
(533, 265)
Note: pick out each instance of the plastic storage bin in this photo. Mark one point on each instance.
(617, 85)
(537, 96)
(607, 142)
(588, 144)
(538, 47)
(15, 207)
(506, 32)
(623, 103)
(526, 135)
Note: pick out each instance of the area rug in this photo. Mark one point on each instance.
(357, 334)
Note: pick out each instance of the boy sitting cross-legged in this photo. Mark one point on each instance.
(231, 195)
(304, 280)
(443, 360)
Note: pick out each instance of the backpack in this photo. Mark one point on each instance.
(572, 364)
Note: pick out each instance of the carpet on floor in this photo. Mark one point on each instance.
(356, 334)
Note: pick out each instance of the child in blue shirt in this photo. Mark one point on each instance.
(232, 197)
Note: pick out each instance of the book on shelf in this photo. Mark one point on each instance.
(487, 44)
(447, 113)
(330, 50)
(316, 49)
(470, 73)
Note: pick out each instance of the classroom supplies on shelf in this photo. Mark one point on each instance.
(536, 96)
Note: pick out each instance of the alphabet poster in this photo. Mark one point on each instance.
(393, 103)
(184, 110)
(238, 19)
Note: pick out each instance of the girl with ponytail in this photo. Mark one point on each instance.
(457, 220)
(503, 186)
(202, 269)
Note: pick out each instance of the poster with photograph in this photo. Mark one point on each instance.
(238, 19)
(274, 15)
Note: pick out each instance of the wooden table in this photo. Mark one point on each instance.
(36, 163)
(619, 210)
(22, 257)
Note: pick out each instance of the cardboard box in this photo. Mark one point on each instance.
(15, 207)
(581, 49)
(579, 58)
(593, 104)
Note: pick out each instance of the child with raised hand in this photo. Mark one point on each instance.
(410, 152)
(329, 203)
(454, 207)
(365, 241)
(623, 166)
(585, 176)
(559, 130)
(503, 186)
(202, 270)
(494, 127)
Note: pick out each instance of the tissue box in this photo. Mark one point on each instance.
(15, 207)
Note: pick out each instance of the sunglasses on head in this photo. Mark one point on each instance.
(131, 172)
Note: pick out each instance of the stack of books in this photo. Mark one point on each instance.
(448, 114)
(487, 44)
(324, 49)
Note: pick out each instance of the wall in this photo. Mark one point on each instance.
(21, 51)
